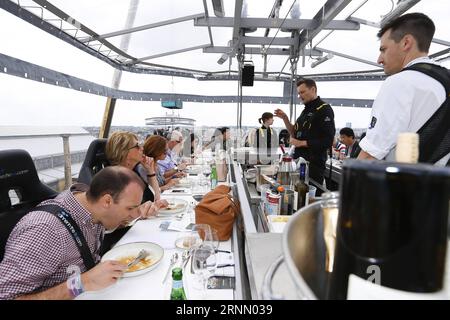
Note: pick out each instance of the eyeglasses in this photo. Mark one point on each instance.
(137, 145)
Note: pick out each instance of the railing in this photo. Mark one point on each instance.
(57, 160)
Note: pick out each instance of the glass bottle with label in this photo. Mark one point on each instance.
(177, 292)
(213, 176)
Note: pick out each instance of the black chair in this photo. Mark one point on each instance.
(94, 161)
(20, 191)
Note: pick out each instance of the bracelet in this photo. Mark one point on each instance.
(75, 285)
(151, 175)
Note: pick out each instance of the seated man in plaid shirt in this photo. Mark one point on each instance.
(41, 253)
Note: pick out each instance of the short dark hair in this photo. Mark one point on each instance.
(420, 26)
(310, 83)
(265, 116)
(112, 180)
(347, 132)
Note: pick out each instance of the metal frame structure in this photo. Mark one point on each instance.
(303, 32)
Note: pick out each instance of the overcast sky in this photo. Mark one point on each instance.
(25, 102)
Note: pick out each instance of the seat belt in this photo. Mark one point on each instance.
(74, 230)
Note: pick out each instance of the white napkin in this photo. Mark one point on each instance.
(222, 259)
(179, 225)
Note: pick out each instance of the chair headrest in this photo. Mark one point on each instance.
(96, 153)
(95, 161)
(16, 169)
(17, 172)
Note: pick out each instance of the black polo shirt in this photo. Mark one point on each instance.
(315, 125)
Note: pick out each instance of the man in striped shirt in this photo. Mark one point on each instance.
(40, 253)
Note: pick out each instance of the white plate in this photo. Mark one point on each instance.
(131, 250)
(187, 242)
(175, 206)
(184, 183)
(194, 169)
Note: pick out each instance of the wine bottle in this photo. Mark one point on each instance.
(391, 235)
(302, 188)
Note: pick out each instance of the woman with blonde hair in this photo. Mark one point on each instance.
(123, 149)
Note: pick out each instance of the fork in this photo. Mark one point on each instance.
(185, 258)
(173, 260)
(142, 254)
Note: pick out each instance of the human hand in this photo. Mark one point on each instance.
(182, 166)
(173, 182)
(280, 114)
(103, 275)
(162, 203)
(179, 175)
(149, 164)
(297, 143)
(148, 209)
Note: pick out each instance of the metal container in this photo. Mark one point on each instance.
(266, 170)
(304, 253)
(287, 201)
(273, 203)
(250, 175)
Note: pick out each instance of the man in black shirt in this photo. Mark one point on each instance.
(313, 132)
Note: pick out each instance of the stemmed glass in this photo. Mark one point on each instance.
(212, 238)
(208, 234)
(206, 170)
(204, 263)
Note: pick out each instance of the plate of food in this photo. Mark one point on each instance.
(188, 241)
(175, 206)
(184, 183)
(126, 253)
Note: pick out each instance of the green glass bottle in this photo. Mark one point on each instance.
(177, 292)
(213, 176)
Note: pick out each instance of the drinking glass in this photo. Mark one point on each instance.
(204, 264)
(212, 238)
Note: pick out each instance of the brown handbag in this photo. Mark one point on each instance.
(218, 209)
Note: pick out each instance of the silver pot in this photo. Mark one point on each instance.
(250, 175)
(304, 253)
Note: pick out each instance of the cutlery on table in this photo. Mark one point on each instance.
(173, 260)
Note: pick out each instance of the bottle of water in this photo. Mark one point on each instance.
(213, 176)
(177, 292)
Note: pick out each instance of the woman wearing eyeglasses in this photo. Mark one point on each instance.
(123, 148)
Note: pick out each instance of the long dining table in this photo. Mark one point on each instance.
(150, 285)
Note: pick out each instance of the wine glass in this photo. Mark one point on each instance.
(208, 234)
(204, 264)
(207, 171)
(212, 238)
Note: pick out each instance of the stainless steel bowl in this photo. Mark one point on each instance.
(304, 252)
(250, 175)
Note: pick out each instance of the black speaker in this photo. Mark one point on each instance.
(248, 74)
